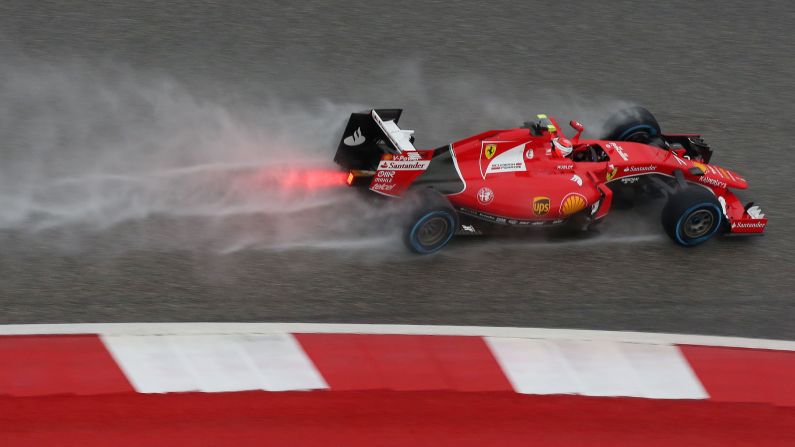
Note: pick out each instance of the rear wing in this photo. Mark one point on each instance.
(368, 136)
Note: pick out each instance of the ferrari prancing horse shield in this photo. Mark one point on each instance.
(497, 157)
(489, 150)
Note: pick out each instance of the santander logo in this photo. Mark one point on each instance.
(356, 139)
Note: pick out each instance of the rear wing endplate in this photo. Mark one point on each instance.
(369, 135)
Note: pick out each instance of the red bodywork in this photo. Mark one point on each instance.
(515, 178)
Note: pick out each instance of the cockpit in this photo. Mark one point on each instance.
(589, 153)
(543, 125)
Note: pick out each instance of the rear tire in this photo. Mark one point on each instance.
(432, 224)
(634, 124)
(692, 216)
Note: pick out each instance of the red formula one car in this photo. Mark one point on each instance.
(535, 177)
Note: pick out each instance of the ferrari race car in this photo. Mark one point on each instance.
(535, 177)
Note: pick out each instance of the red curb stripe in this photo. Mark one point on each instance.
(383, 418)
(744, 375)
(404, 362)
(35, 365)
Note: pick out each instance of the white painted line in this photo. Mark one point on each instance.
(213, 363)
(272, 328)
(595, 368)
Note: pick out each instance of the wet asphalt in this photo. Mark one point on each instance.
(725, 69)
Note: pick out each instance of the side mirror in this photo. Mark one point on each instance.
(579, 128)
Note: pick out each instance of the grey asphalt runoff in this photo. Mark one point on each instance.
(725, 69)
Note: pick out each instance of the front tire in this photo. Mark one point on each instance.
(432, 224)
(692, 216)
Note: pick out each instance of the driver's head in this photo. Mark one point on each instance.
(563, 145)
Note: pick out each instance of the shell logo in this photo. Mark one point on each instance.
(701, 166)
(572, 203)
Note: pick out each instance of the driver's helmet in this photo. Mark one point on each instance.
(563, 145)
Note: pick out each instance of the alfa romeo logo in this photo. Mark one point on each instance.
(485, 195)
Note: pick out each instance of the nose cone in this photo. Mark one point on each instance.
(720, 177)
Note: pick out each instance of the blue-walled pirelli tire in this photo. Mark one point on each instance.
(432, 223)
(632, 124)
(692, 216)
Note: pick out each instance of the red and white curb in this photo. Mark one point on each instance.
(216, 357)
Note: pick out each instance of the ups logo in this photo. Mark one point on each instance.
(540, 206)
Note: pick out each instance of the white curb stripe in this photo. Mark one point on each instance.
(602, 368)
(534, 366)
(664, 372)
(150, 364)
(214, 363)
(283, 363)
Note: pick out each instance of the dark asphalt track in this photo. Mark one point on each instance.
(723, 68)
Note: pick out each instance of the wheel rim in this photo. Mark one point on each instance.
(433, 231)
(642, 133)
(698, 224)
(638, 137)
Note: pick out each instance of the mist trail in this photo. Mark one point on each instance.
(95, 148)
(86, 149)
